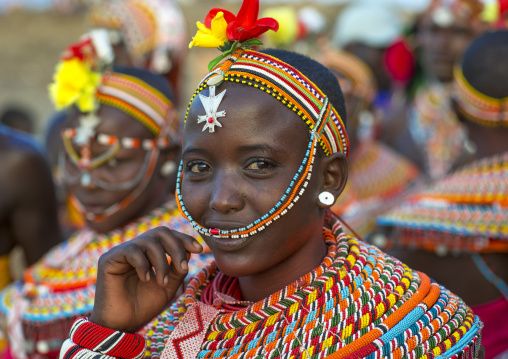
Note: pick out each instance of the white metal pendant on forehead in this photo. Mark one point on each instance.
(211, 105)
(86, 129)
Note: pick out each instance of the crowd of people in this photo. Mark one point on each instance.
(350, 202)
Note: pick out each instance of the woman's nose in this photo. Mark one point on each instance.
(226, 196)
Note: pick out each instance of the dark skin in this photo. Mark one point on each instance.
(232, 177)
(441, 47)
(125, 166)
(28, 208)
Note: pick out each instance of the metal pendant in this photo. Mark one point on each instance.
(211, 105)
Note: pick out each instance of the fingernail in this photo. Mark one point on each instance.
(184, 265)
(197, 245)
(166, 280)
(147, 276)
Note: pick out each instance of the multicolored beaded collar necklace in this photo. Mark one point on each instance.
(295, 91)
(61, 286)
(465, 212)
(359, 303)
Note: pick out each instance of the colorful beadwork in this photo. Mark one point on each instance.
(478, 107)
(289, 86)
(435, 128)
(140, 100)
(359, 303)
(108, 342)
(61, 287)
(289, 198)
(379, 179)
(465, 212)
(294, 90)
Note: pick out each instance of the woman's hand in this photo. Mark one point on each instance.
(135, 282)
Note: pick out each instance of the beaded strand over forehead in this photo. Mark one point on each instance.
(289, 86)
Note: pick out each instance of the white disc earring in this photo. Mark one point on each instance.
(326, 198)
(168, 168)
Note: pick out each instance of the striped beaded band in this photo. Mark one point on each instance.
(108, 342)
(478, 107)
(354, 70)
(140, 100)
(289, 86)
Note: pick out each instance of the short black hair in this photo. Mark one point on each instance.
(484, 64)
(156, 81)
(317, 73)
(17, 117)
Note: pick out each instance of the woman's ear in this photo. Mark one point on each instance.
(334, 170)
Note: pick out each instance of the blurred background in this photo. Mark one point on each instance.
(33, 34)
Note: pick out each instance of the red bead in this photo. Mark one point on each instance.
(210, 120)
(214, 231)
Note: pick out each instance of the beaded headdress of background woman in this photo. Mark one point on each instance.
(234, 35)
(84, 79)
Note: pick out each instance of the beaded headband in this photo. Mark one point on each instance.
(289, 86)
(139, 100)
(478, 107)
(133, 19)
(355, 70)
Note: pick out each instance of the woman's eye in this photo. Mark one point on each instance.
(199, 168)
(259, 165)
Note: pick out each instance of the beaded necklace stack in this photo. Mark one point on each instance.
(379, 179)
(61, 286)
(359, 303)
(465, 212)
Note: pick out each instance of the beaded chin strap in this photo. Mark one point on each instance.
(295, 91)
(476, 106)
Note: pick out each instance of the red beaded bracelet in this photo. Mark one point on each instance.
(107, 341)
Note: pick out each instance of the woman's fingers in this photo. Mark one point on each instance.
(149, 251)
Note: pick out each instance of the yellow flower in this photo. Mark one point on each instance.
(214, 37)
(74, 83)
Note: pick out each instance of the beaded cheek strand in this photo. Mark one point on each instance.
(292, 194)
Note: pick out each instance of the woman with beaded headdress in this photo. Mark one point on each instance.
(147, 34)
(427, 129)
(264, 158)
(378, 176)
(456, 229)
(118, 163)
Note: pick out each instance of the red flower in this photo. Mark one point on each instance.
(245, 25)
(83, 50)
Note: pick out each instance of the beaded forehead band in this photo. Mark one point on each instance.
(287, 85)
(476, 106)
